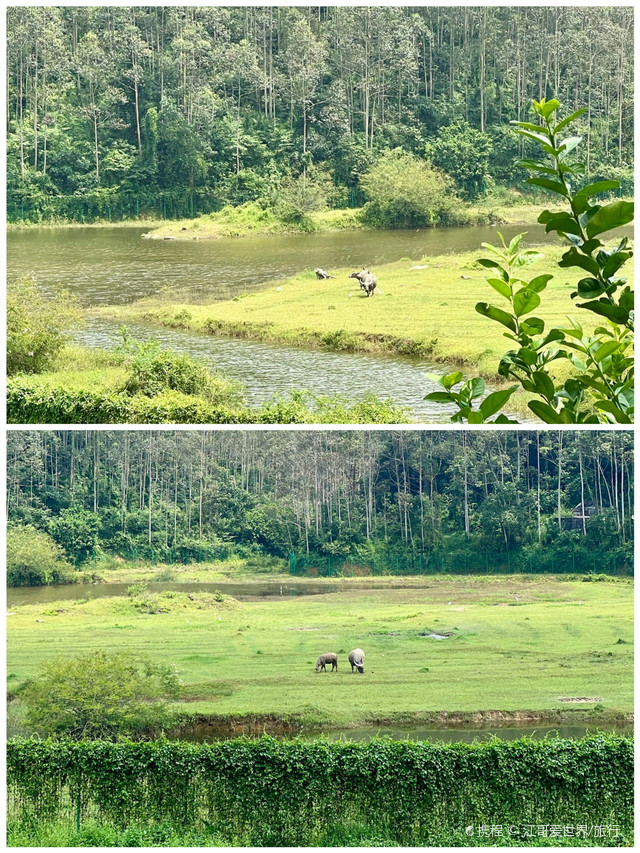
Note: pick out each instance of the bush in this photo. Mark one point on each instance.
(33, 558)
(36, 326)
(463, 153)
(77, 531)
(100, 695)
(155, 370)
(406, 192)
(34, 403)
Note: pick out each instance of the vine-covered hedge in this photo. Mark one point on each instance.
(29, 402)
(411, 792)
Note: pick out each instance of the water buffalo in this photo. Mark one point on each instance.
(322, 274)
(368, 281)
(356, 659)
(323, 660)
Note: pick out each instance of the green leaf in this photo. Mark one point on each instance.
(547, 184)
(614, 262)
(493, 265)
(606, 309)
(562, 222)
(545, 412)
(496, 314)
(598, 187)
(569, 144)
(537, 137)
(565, 121)
(574, 258)
(501, 287)
(606, 349)
(608, 406)
(513, 245)
(475, 417)
(532, 326)
(543, 384)
(439, 397)
(477, 387)
(524, 301)
(451, 379)
(539, 283)
(549, 107)
(537, 167)
(528, 355)
(610, 216)
(535, 128)
(589, 288)
(493, 402)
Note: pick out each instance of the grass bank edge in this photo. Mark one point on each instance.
(409, 318)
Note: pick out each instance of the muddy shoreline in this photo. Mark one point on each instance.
(258, 724)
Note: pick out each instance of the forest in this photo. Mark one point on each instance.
(117, 112)
(345, 494)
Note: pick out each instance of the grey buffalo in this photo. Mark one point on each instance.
(322, 274)
(356, 659)
(368, 281)
(323, 660)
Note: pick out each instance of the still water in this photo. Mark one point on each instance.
(115, 265)
(107, 266)
(248, 591)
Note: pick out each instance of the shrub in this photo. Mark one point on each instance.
(462, 152)
(34, 403)
(36, 326)
(33, 558)
(77, 531)
(100, 695)
(406, 192)
(155, 370)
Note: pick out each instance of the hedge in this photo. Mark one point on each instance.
(411, 792)
(30, 402)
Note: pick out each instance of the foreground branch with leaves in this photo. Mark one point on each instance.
(600, 386)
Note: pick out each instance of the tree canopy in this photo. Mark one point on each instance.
(334, 493)
(116, 111)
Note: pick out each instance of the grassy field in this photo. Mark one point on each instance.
(559, 639)
(428, 312)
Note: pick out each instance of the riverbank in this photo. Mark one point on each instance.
(540, 644)
(87, 386)
(424, 308)
(252, 219)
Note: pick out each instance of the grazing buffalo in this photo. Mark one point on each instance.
(368, 281)
(322, 274)
(356, 659)
(323, 660)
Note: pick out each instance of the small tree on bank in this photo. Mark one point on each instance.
(406, 192)
(100, 695)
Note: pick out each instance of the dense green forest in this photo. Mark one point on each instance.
(340, 493)
(115, 112)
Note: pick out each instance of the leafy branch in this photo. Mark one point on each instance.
(601, 386)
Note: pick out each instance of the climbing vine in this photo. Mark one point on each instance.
(409, 791)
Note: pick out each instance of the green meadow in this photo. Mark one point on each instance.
(517, 644)
(424, 308)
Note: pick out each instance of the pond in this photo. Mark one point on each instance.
(110, 265)
(247, 591)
